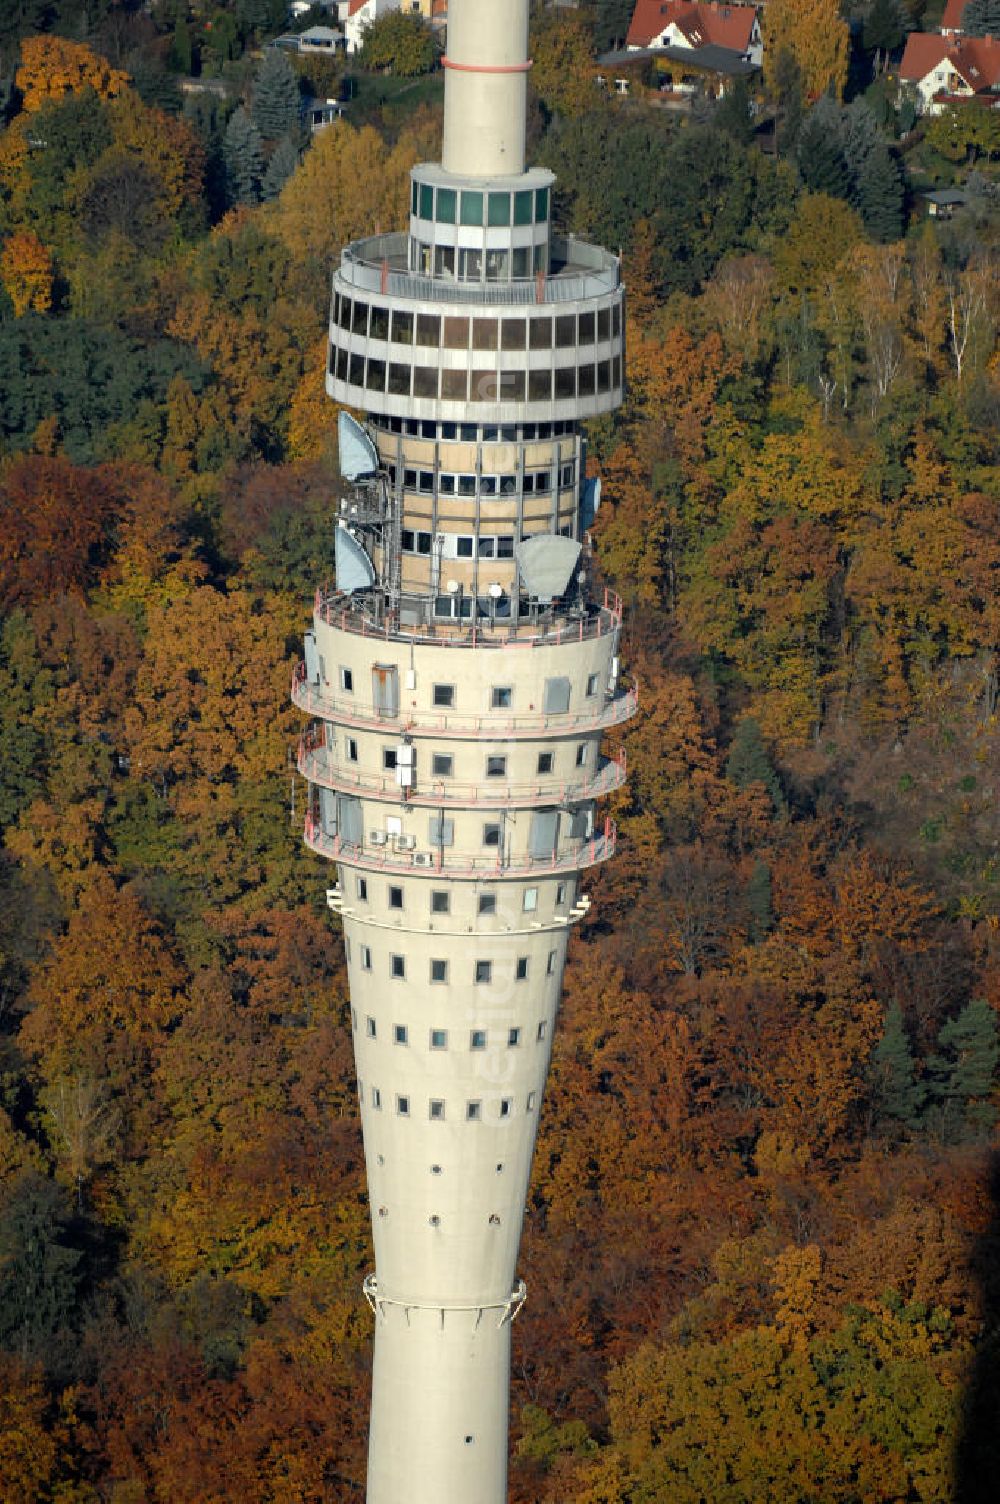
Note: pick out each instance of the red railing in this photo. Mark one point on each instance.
(597, 848)
(314, 764)
(348, 712)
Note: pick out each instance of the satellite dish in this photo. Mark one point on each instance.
(546, 562)
(591, 501)
(453, 587)
(357, 452)
(496, 590)
(355, 571)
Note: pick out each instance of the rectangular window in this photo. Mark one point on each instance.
(530, 900)
(565, 331)
(446, 206)
(351, 749)
(593, 681)
(565, 381)
(347, 680)
(498, 209)
(473, 1111)
(581, 755)
(403, 1106)
(491, 833)
(436, 1108)
(397, 968)
(484, 334)
(545, 762)
(550, 964)
(484, 971)
(496, 767)
(402, 327)
(376, 1099)
(543, 1029)
(360, 323)
(539, 386)
(389, 759)
(540, 337)
(477, 1039)
(501, 696)
(472, 208)
(506, 1107)
(521, 969)
(347, 948)
(443, 695)
(399, 380)
(487, 903)
(439, 971)
(560, 894)
(585, 383)
(513, 334)
(354, 1018)
(363, 889)
(456, 333)
(399, 1034)
(370, 1027)
(366, 958)
(425, 381)
(513, 1038)
(541, 205)
(586, 328)
(440, 901)
(426, 201)
(441, 831)
(604, 323)
(454, 386)
(429, 329)
(531, 1101)
(439, 1039)
(395, 898)
(463, 546)
(522, 207)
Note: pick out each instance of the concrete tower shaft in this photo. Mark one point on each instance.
(458, 680)
(486, 89)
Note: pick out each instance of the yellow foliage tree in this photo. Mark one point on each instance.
(816, 34)
(52, 67)
(26, 272)
(563, 67)
(312, 417)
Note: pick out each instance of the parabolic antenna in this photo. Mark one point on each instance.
(546, 563)
(355, 570)
(357, 452)
(591, 501)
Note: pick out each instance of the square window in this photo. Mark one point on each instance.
(363, 889)
(496, 767)
(506, 1107)
(484, 971)
(521, 969)
(473, 1111)
(399, 1034)
(463, 547)
(403, 1106)
(436, 1108)
(530, 900)
(443, 695)
(477, 1039)
(370, 1027)
(397, 967)
(395, 898)
(442, 764)
(366, 958)
(347, 680)
(487, 903)
(440, 902)
(543, 1029)
(545, 762)
(501, 696)
(351, 749)
(491, 834)
(439, 1039)
(439, 971)
(581, 754)
(389, 759)
(513, 1038)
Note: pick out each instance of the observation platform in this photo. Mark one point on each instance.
(458, 865)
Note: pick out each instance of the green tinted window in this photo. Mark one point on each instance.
(541, 204)
(499, 209)
(472, 208)
(413, 198)
(426, 201)
(446, 205)
(522, 208)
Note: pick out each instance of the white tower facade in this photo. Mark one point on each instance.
(458, 679)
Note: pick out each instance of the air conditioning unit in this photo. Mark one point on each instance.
(404, 777)
(423, 859)
(377, 837)
(405, 843)
(404, 755)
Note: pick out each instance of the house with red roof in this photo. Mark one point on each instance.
(944, 70)
(692, 25)
(360, 14)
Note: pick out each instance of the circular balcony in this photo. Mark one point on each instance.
(546, 630)
(599, 847)
(314, 764)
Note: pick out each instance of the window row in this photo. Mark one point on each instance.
(476, 386)
(453, 206)
(482, 971)
(443, 763)
(541, 331)
(460, 545)
(444, 697)
(469, 263)
(440, 900)
(476, 433)
(475, 1110)
(534, 482)
(438, 1038)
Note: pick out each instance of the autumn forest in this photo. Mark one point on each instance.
(762, 1246)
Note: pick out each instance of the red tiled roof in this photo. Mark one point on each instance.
(703, 24)
(976, 59)
(355, 6)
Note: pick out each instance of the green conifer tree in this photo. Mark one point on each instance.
(962, 1074)
(284, 160)
(243, 158)
(748, 763)
(275, 107)
(819, 152)
(981, 18)
(759, 901)
(878, 195)
(897, 1094)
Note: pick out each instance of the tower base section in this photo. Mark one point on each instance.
(439, 1405)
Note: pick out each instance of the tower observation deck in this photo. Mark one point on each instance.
(458, 679)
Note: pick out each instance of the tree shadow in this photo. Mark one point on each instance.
(977, 1456)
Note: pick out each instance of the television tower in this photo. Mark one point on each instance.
(458, 679)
